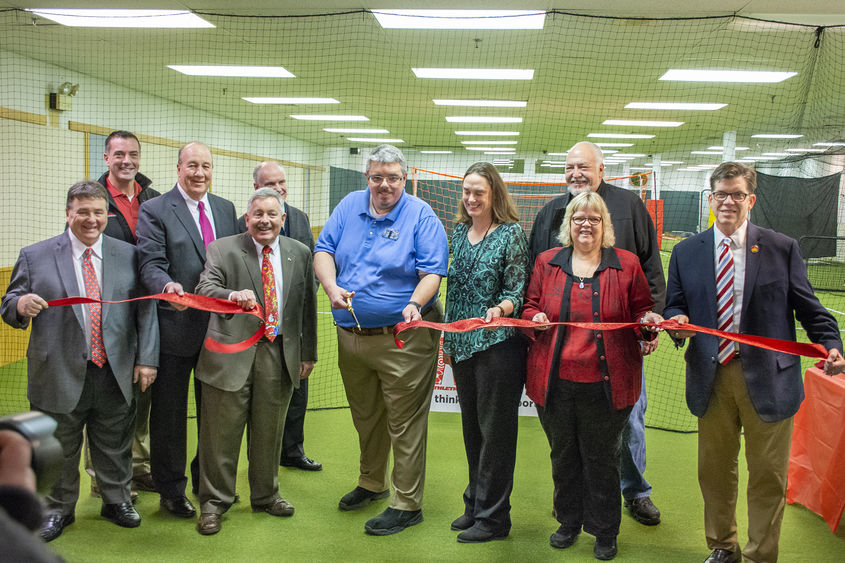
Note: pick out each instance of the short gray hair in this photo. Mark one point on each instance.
(264, 193)
(599, 154)
(388, 154)
(258, 168)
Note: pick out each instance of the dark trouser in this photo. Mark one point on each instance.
(489, 386)
(585, 435)
(168, 424)
(294, 434)
(111, 423)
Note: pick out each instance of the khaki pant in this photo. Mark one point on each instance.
(767, 444)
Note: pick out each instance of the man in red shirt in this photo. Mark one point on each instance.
(127, 190)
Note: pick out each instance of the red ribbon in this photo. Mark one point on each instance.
(201, 302)
(788, 346)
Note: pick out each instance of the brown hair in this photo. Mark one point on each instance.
(728, 170)
(503, 209)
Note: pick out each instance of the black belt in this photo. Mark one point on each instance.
(379, 329)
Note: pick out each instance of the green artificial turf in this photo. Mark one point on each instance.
(320, 532)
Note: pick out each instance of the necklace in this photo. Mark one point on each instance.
(474, 250)
(580, 282)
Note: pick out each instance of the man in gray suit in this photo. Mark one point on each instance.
(82, 360)
(173, 232)
(296, 226)
(252, 388)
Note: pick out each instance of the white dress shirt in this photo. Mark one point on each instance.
(193, 207)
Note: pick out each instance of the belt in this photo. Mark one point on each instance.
(368, 331)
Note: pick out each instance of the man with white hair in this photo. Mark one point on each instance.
(635, 232)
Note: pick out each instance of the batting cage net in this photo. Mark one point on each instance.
(667, 100)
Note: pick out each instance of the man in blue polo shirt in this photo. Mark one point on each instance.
(385, 252)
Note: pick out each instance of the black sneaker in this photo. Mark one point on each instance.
(643, 511)
(392, 521)
(564, 537)
(605, 549)
(360, 497)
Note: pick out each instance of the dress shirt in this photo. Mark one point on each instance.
(77, 249)
(738, 252)
(193, 207)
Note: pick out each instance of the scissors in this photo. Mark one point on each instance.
(351, 310)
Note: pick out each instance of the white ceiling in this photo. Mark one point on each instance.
(586, 69)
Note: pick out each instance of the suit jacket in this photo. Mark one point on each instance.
(233, 265)
(776, 292)
(296, 227)
(57, 355)
(171, 249)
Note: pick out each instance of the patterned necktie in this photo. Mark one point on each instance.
(725, 299)
(271, 303)
(205, 226)
(92, 291)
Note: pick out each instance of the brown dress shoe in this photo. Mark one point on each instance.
(209, 523)
(144, 482)
(278, 507)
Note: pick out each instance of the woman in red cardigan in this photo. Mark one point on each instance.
(585, 382)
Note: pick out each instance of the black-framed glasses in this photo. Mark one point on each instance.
(392, 179)
(581, 220)
(738, 197)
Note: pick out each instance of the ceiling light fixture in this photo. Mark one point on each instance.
(490, 133)
(373, 140)
(233, 71)
(169, 19)
(641, 123)
(291, 101)
(316, 117)
(706, 75)
(482, 119)
(678, 106)
(460, 19)
(776, 136)
(475, 73)
(482, 103)
(354, 131)
(619, 136)
(489, 142)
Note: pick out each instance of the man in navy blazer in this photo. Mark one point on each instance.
(74, 376)
(171, 243)
(745, 389)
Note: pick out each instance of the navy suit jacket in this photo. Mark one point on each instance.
(58, 353)
(171, 249)
(775, 293)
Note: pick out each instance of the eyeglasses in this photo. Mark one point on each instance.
(392, 180)
(737, 197)
(581, 220)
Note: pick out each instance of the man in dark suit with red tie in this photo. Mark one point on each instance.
(742, 278)
(173, 232)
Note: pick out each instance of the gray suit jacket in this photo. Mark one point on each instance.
(171, 249)
(233, 265)
(58, 353)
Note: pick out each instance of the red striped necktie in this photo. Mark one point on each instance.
(725, 299)
(92, 291)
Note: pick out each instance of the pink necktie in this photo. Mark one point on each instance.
(205, 226)
(92, 291)
(725, 299)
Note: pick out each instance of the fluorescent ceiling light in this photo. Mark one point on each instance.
(558, 162)
(707, 166)
(460, 19)
(615, 144)
(503, 149)
(765, 158)
(719, 148)
(123, 18)
(618, 157)
(641, 123)
(353, 131)
(829, 144)
(316, 117)
(373, 140)
(805, 150)
(711, 153)
(776, 136)
(608, 151)
(475, 73)
(704, 75)
(435, 152)
(665, 163)
(491, 133)
(483, 119)
(498, 152)
(627, 155)
(680, 106)
(619, 136)
(482, 103)
(489, 142)
(229, 70)
(776, 154)
(292, 101)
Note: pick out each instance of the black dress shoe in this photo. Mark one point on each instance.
(462, 522)
(54, 524)
(392, 521)
(304, 463)
(360, 497)
(122, 514)
(477, 534)
(179, 506)
(564, 537)
(605, 549)
(724, 556)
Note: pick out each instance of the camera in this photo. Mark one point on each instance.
(47, 454)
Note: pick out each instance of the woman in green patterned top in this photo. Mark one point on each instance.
(488, 275)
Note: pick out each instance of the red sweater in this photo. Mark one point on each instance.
(623, 296)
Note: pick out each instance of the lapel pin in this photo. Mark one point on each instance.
(755, 249)
(289, 260)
